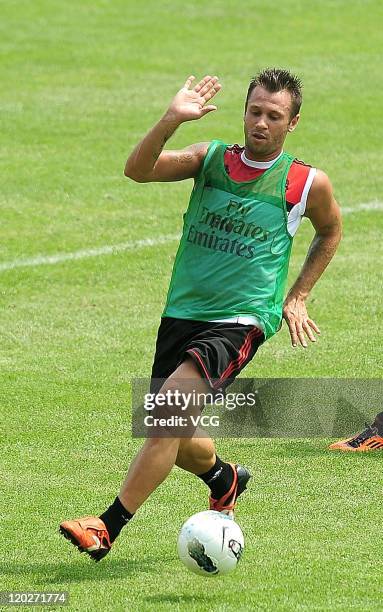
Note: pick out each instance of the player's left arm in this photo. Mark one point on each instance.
(324, 214)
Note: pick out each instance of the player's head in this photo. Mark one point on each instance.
(272, 108)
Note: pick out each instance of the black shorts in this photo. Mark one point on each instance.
(220, 350)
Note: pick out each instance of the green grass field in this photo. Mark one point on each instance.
(81, 82)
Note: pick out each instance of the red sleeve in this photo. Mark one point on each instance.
(296, 181)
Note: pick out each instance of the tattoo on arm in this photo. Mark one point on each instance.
(184, 157)
(321, 251)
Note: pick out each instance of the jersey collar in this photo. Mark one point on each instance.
(257, 164)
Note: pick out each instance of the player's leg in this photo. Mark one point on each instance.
(222, 350)
(196, 454)
(158, 455)
(149, 468)
(226, 481)
(219, 350)
(231, 347)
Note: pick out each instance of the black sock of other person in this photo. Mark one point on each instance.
(378, 423)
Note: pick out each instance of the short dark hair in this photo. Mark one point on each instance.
(276, 79)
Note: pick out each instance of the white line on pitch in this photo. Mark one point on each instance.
(46, 260)
(362, 206)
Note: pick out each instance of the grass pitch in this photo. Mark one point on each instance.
(82, 81)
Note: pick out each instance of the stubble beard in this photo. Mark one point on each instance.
(266, 149)
(260, 150)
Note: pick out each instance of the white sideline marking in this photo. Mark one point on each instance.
(49, 260)
(363, 206)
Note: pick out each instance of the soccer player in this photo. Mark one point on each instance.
(226, 291)
(369, 439)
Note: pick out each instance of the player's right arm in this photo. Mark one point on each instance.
(148, 162)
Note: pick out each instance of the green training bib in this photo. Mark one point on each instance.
(234, 251)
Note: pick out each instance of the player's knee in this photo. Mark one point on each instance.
(172, 388)
(161, 442)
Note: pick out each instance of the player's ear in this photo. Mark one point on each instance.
(293, 123)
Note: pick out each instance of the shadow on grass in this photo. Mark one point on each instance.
(83, 570)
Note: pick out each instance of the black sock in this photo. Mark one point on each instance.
(378, 423)
(219, 478)
(115, 518)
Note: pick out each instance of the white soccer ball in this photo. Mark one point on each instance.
(210, 543)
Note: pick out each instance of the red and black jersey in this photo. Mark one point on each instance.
(299, 180)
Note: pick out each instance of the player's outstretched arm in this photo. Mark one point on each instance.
(149, 162)
(324, 213)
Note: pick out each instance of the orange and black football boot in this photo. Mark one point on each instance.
(226, 503)
(89, 534)
(367, 440)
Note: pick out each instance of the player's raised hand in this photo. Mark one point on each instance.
(191, 102)
(299, 324)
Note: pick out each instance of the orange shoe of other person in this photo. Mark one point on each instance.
(226, 503)
(367, 440)
(89, 534)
